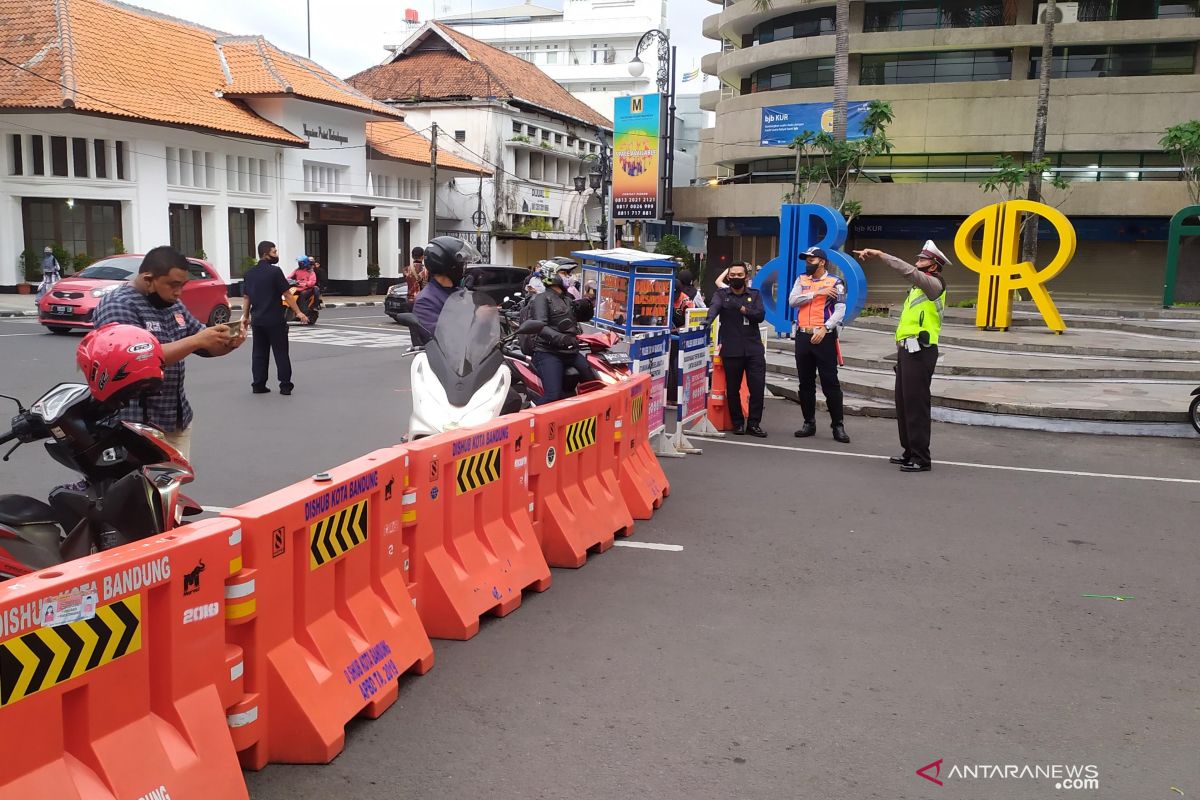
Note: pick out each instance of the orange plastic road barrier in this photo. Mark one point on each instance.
(110, 668)
(643, 482)
(321, 611)
(577, 495)
(468, 526)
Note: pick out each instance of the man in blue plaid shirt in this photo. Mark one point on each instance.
(151, 300)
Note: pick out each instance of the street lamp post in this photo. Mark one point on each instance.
(666, 86)
(599, 180)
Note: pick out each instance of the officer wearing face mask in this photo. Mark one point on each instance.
(741, 311)
(820, 300)
(446, 259)
(916, 350)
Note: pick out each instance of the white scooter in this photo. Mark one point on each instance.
(460, 377)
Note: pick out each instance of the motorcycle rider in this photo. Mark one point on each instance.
(555, 350)
(446, 259)
(305, 276)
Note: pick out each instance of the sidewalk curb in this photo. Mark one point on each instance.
(18, 313)
(352, 305)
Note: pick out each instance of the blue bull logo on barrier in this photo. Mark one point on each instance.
(802, 227)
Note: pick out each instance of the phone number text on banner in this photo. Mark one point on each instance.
(652, 355)
(693, 374)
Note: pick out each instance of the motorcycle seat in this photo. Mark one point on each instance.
(17, 509)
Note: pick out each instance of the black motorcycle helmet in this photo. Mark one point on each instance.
(449, 256)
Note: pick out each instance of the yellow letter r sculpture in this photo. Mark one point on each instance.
(998, 261)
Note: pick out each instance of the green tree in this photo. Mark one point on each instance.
(1041, 115)
(1183, 141)
(1011, 178)
(672, 245)
(822, 158)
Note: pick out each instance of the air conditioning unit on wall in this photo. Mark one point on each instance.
(1066, 12)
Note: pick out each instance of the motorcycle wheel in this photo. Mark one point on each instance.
(1194, 413)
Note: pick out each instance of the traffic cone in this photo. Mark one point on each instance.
(718, 409)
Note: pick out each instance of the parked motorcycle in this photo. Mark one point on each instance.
(132, 477)
(461, 376)
(1194, 410)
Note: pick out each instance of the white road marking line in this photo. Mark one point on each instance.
(972, 465)
(395, 330)
(671, 548)
(35, 333)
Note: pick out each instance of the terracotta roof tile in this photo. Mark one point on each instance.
(109, 58)
(398, 140)
(486, 72)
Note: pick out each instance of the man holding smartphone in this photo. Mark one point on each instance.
(263, 287)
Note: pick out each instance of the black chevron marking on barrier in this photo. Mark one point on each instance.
(494, 466)
(328, 553)
(353, 525)
(10, 673)
(103, 636)
(461, 473)
(340, 533)
(74, 644)
(314, 547)
(44, 655)
(131, 626)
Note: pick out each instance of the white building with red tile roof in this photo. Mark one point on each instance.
(123, 127)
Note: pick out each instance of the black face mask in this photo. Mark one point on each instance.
(272, 259)
(455, 275)
(811, 269)
(737, 283)
(157, 301)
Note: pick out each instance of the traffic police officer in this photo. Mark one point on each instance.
(916, 350)
(820, 298)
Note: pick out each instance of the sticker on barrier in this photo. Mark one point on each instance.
(322, 588)
(469, 532)
(578, 503)
(643, 485)
(651, 355)
(120, 658)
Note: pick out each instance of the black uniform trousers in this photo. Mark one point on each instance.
(821, 358)
(270, 339)
(753, 367)
(914, 375)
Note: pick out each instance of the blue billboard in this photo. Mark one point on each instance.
(782, 124)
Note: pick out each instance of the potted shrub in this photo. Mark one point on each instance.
(31, 270)
(372, 278)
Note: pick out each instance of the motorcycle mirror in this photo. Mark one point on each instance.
(531, 326)
(20, 407)
(410, 321)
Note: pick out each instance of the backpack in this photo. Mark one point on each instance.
(526, 340)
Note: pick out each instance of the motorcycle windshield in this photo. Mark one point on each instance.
(468, 331)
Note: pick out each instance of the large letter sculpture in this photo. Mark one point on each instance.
(998, 261)
(802, 227)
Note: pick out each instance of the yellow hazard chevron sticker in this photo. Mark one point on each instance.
(337, 534)
(638, 404)
(477, 470)
(581, 434)
(45, 657)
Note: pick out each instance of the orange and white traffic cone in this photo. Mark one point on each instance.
(718, 407)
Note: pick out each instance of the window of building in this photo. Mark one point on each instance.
(518, 127)
(327, 178)
(460, 136)
(945, 67)
(819, 22)
(58, 156)
(122, 173)
(79, 155)
(194, 169)
(187, 232)
(1175, 9)
(806, 74)
(247, 175)
(558, 138)
(530, 130)
(545, 136)
(16, 156)
(1118, 61)
(241, 240)
(82, 227)
(100, 152)
(571, 141)
(1108, 10)
(913, 15)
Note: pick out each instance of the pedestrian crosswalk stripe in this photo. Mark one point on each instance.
(45, 657)
(477, 470)
(337, 534)
(581, 434)
(340, 337)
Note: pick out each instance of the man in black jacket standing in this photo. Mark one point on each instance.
(555, 350)
(741, 310)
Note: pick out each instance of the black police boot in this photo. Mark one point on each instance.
(809, 429)
(839, 433)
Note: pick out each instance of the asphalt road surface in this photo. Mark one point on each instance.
(829, 627)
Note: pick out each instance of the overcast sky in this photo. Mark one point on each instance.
(349, 35)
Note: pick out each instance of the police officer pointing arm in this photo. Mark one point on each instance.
(916, 350)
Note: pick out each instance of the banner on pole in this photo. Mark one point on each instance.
(638, 126)
(651, 354)
(693, 374)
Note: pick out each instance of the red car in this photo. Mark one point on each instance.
(72, 301)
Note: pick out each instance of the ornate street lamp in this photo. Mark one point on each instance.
(665, 80)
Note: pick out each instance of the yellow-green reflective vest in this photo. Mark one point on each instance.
(921, 314)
